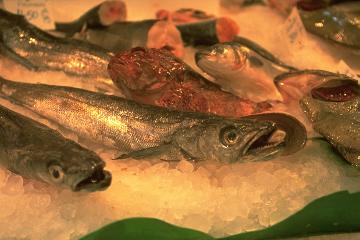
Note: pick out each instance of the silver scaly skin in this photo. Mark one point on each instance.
(338, 121)
(35, 151)
(39, 51)
(143, 131)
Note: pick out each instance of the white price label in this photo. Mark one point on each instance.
(35, 11)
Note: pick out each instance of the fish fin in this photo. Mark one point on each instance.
(165, 152)
(15, 57)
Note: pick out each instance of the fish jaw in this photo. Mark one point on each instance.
(97, 180)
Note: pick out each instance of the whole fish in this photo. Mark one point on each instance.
(142, 131)
(37, 50)
(35, 151)
(339, 23)
(243, 68)
(157, 77)
(103, 14)
(334, 109)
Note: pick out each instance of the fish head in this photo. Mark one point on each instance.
(334, 110)
(73, 167)
(145, 70)
(222, 58)
(232, 140)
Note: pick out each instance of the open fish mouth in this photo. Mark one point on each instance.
(269, 140)
(287, 136)
(98, 180)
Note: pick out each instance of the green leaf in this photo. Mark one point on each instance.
(145, 229)
(335, 213)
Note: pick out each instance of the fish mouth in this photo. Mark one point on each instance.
(98, 180)
(268, 141)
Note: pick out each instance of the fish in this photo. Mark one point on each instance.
(142, 131)
(183, 15)
(243, 68)
(103, 14)
(157, 77)
(338, 23)
(37, 50)
(33, 150)
(333, 108)
(294, 85)
(122, 36)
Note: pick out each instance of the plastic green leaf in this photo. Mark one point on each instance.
(145, 229)
(335, 213)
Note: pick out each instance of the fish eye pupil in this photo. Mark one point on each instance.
(231, 136)
(55, 173)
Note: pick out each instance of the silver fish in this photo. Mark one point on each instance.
(334, 109)
(35, 151)
(39, 51)
(243, 68)
(143, 131)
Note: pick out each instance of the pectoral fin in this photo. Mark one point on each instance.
(4, 50)
(165, 152)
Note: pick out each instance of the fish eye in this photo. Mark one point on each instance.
(56, 173)
(337, 90)
(228, 136)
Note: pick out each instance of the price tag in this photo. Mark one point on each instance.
(294, 28)
(35, 11)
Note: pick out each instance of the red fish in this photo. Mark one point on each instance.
(157, 77)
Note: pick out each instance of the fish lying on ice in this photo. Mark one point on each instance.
(294, 85)
(334, 109)
(37, 50)
(338, 23)
(122, 36)
(243, 68)
(157, 77)
(141, 131)
(35, 151)
(103, 14)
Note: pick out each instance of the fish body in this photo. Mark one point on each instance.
(243, 68)
(157, 77)
(35, 151)
(334, 109)
(141, 131)
(39, 51)
(339, 23)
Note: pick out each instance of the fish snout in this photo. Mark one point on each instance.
(94, 179)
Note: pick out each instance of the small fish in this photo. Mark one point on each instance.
(243, 68)
(35, 151)
(144, 131)
(338, 23)
(104, 14)
(157, 77)
(334, 109)
(37, 50)
(294, 85)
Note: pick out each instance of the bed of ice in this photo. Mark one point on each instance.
(218, 199)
